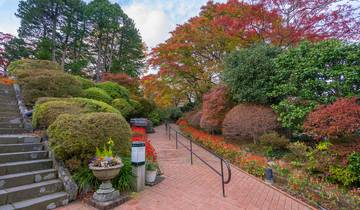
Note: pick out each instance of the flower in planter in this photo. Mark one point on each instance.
(105, 158)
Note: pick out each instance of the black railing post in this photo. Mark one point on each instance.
(191, 152)
(222, 177)
(176, 139)
(169, 132)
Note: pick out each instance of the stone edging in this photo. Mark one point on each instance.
(22, 108)
(64, 175)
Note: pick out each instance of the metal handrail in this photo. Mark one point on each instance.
(168, 129)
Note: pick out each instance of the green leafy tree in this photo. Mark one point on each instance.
(16, 49)
(314, 73)
(248, 73)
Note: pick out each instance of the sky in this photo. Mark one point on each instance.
(154, 18)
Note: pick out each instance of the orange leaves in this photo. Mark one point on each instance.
(342, 118)
(6, 81)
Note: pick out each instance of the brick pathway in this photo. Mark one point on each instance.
(197, 187)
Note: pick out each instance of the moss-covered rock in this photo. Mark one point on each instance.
(48, 109)
(123, 106)
(85, 83)
(114, 90)
(75, 137)
(97, 94)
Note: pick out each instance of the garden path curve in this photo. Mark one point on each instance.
(196, 186)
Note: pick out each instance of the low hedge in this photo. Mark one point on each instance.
(97, 94)
(123, 106)
(48, 109)
(114, 90)
(74, 138)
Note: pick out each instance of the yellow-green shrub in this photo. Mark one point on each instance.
(33, 65)
(85, 83)
(114, 90)
(48, 109)
(74, 138)
(97, 94)
(123, 106)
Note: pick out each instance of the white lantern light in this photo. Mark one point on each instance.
(138, 153)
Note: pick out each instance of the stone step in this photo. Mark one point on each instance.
(25, 192)
(14, 180)
(13, 103)
(12, 131)
(45, 202)
(25, 166)
(26, 147)
(10, 113)
(7, 100)
(23, 156)
(10, 125)
(19, 139)
(14, 119)
(6, 106)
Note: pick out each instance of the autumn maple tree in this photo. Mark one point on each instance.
(193, 55)
(162, 92)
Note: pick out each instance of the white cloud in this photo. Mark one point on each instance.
(153, 23)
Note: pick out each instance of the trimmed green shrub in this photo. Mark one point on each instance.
(53, 85)
(137, 108)
(85, 83)
(123, 106)
(30, 64)
(76, 137)
(97, 94)
(48, 109)
(114, 90)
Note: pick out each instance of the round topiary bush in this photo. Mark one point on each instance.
(246, 121)
(123, 106)
(85, 83)
(74, 138)
(48, 109)
(114, 90)
(57, 84)
(97, 94)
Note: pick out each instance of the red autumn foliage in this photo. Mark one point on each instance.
(316, 19)
(215, 105)
(139, 134)
(246, 121)
(342, 118)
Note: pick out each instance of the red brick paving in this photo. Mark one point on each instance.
(197, 187)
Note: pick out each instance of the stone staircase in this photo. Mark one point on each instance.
(28, 179)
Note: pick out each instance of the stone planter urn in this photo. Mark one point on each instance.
(106, 192)
(150, 175)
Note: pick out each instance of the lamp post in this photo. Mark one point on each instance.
(138, 164)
